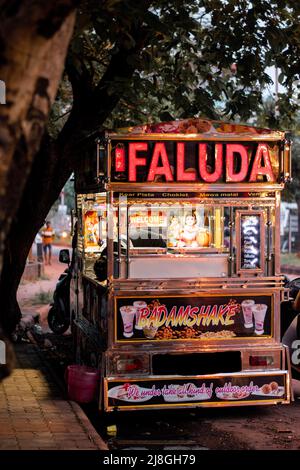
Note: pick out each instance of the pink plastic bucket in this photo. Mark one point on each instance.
(82, 383)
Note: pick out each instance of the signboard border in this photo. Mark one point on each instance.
(185, 340)
(239, 214)
(202, 404)
(117, 139)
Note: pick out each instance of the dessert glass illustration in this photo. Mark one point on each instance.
(150, 331)
(247, 306)
(259, 312)
(128, 313)
(139, 305)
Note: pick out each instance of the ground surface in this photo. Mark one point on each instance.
(34, 413)
(274, 427)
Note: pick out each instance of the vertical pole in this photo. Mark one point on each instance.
(119, 208)
(269, 243)
(231, 255)
(100, 240)
(277, 244)
(290, 233)
(218, 231)
(276, 93)
(110, 235)
(127, 241)
(98, 158)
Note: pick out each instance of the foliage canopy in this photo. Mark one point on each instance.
(185, 51)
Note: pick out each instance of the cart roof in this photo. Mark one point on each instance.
(201, 128)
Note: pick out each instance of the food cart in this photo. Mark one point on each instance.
(183, 220)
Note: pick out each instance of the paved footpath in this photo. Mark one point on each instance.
(34, 414)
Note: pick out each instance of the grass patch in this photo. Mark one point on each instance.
(42, 297)
(290, 258)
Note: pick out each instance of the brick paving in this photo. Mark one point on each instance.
(35, 416)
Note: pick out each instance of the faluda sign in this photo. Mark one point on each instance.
(192, 161)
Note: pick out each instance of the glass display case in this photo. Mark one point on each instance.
(181, 227)
(182, 238)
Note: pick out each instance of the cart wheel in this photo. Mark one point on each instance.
(57, 322)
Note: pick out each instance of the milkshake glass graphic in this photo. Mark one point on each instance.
(259, 312)
(150, 331)
(139, 305)
(128, 313)
(247, 307)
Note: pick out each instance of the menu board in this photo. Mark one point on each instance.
(250, 242)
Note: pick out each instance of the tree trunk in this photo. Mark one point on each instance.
(41, 190)
(54, 163)
(34, 38)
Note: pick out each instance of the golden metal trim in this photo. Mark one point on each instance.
(176, 341)
(239, 215)
(197, 137)
(215, 404)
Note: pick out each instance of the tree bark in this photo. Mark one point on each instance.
(53, 165)
(34, 38)
(23, 229)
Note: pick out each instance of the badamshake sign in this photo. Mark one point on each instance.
(200, 318)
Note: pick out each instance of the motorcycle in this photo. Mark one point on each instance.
(59, 313)
(290, 324)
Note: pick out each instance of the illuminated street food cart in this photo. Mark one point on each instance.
(186, 215)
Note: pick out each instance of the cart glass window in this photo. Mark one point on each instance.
(94, 229)
(94, 219)
(177, 227)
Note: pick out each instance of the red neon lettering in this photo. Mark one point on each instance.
(182, 175)
(262, 155)
(207, 176)
(134, 161)
(165, 170)
(231, 151)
